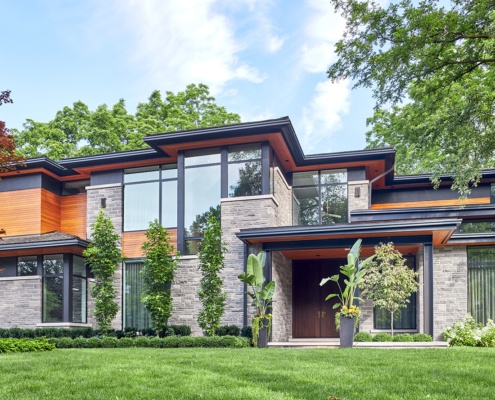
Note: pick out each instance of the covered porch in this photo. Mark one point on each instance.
(298, 257)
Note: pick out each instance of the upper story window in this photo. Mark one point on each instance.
(244, 170)
(150, 193)
(477, 226)
(492, 193)
(320, 197)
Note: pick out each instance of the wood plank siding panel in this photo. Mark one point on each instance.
(133, 241)
(73, 215)
(50, 211)
(431, 203)
(20, 213)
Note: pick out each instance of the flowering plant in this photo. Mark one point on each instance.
(354, 272)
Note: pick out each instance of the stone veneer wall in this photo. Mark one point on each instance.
(20, 304)
(450, 287)
(361, 202)
(282, 306)
(185, 288)
(114, 209)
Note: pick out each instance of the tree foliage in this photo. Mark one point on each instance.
(158, 274)
(103, 255)
(78, 131)
(389, 282)
(432, 71)
(9, 160)
(211, 264)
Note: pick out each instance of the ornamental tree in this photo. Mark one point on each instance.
(389, 282)
(431, 67)
(158, 274)
(104, 255)
(211, 264)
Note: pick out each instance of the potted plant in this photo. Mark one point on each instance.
(347, 318)
(262, 297)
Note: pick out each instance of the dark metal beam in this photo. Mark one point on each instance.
(428, 289)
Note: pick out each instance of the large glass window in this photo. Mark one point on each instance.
(407, 316)
(79, 290)
(477, 226)
(320, 197)
(244, 170)
(150, 193)
(481, 283)
(53, 288)
(201, 195)
(135, 313)
(27, 266)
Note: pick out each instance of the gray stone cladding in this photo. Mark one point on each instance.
(186, 304)
(20, 302)
(357, 200)
(420, 321)
(450, 287)
(282, 306)
(113, 194)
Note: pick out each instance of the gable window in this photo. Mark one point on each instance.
(150, 193)
(481, 283)
(320, 197)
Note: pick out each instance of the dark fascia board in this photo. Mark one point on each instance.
(488, 173)
(472, 238)
(353, 229)
(49, 165)
(282, 125)
(111, 158)
(46, 244)
(481, 210)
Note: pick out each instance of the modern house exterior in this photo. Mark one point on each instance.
(305, 211)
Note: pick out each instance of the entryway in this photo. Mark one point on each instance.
(312, 316)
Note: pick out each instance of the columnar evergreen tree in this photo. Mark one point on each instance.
(158, 274)
(211, 263)
(104, 255)
(389, 282)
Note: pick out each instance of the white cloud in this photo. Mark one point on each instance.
(275, 43)
(322, 30)
(323, 116)
(178, 42)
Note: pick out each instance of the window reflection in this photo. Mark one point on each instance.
(53, 299)
(27, 266)
(245, 179)
(141, 205)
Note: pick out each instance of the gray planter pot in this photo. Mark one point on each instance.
(346, 332)
(263, 337)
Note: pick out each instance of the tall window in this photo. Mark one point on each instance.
(79, 290)
(150, 193)
(53, 288)
(481, 283)
(135, 313)
(201, 194)
(320, 197)
(407, 315)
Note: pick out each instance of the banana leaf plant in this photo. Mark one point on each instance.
(354, 272)
(262, 296)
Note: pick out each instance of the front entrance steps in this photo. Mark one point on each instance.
(335, 342)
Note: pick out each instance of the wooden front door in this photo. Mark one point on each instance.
(312, 316)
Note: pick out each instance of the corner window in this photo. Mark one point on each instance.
(320, 197)
(150, 193)
(481, 283)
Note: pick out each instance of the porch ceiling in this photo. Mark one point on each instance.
(319, 254)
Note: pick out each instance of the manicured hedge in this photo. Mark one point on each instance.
(387, 337)
(24, 345)
(154, 342)
(363, 337)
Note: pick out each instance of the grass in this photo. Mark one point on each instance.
(141, 373)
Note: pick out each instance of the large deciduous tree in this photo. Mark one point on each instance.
(9, 160)
(432, 72)
(78, 131)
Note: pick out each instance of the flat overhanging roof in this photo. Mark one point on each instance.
(436, 231)
(45, 243)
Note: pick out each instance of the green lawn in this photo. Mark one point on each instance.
(142, 373)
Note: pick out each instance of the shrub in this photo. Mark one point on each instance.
(24, 345)
(94, 342)
(109, 342)
(383, 337)
(403, 337)
(228, 330)
(363, 337)
(181, 330)
(130, 332)
(141, 341)
(63, 343)
(148, 332)
(247, 331)
(4, 333)
(470, 333)
(125, 342)
(166, 331)
(422, 337)
(80, 343)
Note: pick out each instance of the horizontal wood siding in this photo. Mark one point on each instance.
(20, 213)
(50, 211)
(133, 241)
(431, 203)
(73, 215)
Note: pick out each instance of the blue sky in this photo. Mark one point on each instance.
(261, 58)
